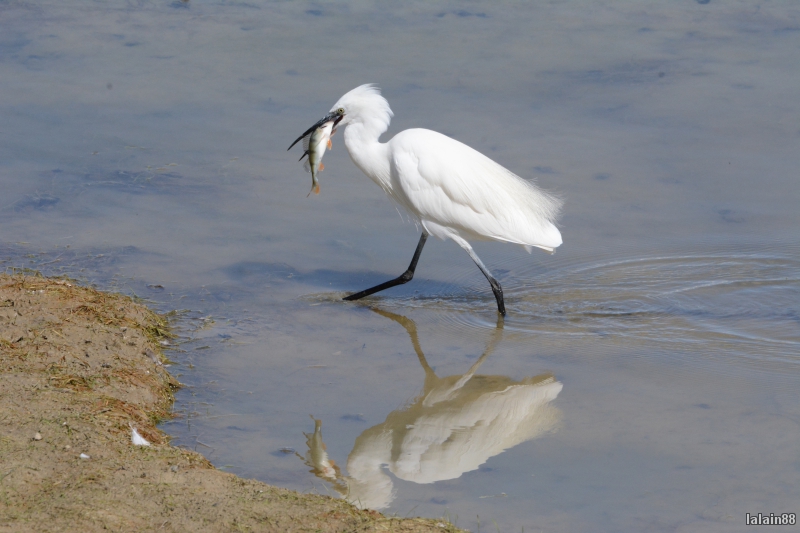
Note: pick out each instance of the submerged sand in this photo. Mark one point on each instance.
(80, 368)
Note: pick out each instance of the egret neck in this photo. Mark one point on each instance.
(367, 152)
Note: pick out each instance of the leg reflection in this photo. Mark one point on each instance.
(453, 426)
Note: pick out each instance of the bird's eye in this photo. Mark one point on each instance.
(340, 111)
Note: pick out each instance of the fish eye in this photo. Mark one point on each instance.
(340, 111)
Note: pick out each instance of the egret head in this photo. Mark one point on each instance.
(364, 104)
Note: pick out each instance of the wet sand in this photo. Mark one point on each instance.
(80, 368)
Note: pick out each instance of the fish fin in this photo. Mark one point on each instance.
(306, 142)
(302, 156)
(321, 166)
(307, 165)
(330, 144)
(316, 189)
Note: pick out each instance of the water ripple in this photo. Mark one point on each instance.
(743, 304)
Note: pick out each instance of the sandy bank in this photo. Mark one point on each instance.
(79, 368)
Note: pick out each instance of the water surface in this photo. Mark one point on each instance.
(646, 376)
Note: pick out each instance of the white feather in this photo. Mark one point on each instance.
(137, 439)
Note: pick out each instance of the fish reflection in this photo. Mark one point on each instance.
(455, 425)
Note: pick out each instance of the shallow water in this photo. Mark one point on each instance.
(646, 377)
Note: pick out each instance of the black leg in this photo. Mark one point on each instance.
(496, 288)
(405, 277)
(498, 293)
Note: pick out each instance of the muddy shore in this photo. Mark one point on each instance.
(80, 369)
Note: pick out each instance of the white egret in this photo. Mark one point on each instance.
(451, 190)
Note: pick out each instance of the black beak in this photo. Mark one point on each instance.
(332, 116)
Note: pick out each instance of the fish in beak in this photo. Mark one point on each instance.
(315, 140)
(334, 116)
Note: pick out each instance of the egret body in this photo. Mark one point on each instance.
(451, 190)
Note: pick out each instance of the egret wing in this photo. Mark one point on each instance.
(449, 183)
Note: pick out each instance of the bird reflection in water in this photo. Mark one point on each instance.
(455, 425)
